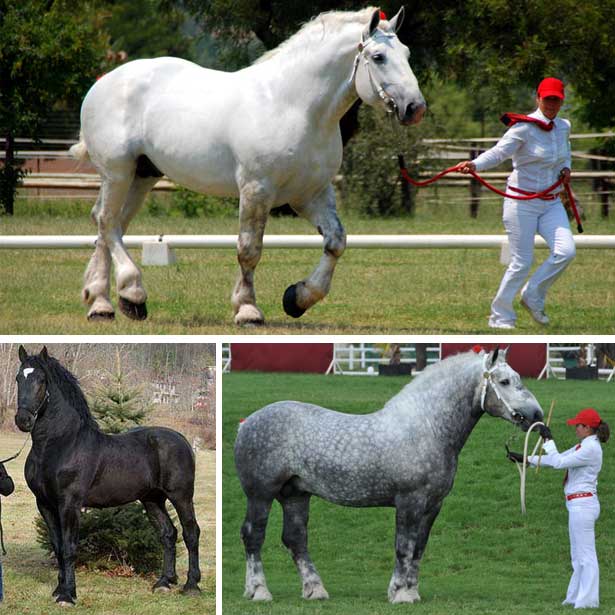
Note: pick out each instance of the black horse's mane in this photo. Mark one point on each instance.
(68, 385)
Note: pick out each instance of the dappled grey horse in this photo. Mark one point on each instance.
(404, 455)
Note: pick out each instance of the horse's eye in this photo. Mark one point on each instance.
(378, 58)
(505, 382)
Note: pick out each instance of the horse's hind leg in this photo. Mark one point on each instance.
(157, 513)
(322, 214)
(253, 536)
(191, 533)
(97, 276)
(96, 284)
(294, 536)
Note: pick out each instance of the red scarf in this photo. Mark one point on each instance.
(510, 119)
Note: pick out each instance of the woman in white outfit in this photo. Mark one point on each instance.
(540, 150)
(582, 464)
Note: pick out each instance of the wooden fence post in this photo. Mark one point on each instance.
(475, 189)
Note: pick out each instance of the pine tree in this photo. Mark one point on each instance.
(117, 405)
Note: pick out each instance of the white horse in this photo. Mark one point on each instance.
(268, 134)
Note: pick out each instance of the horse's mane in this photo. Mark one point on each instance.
(454, 364)
(68, 385)
(325, 23)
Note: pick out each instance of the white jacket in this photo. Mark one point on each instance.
(583, 463)
(538, 156)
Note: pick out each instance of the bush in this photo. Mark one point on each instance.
(112, 537)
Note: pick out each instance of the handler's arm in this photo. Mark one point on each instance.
(568, 459)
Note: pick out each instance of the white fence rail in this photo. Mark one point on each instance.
(12, 242)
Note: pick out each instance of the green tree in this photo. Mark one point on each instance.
(117, 405)
(50, 52)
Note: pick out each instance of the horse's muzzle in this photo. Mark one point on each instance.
(24, 421)
(413, 113)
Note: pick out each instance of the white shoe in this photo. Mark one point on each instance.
(538, 315)
(500, 325)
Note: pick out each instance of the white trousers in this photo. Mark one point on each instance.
(522, 220)
(583, 589)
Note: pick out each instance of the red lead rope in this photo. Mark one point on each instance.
(548, 192)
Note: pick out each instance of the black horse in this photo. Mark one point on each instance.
(73, 464)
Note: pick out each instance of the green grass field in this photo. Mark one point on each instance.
(373, 291)
(30, 576)
(483, 556)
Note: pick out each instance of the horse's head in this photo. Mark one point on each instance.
(383, 74)
(32, 394)
(503, 393)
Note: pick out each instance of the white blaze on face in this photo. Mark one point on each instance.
(27, 372)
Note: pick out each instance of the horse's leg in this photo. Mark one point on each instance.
(159, 517)
(409, 512)
(254, 206)
(96, 284)
(50, 517)
(69, 527)
(191, 533)
(253, 536)
(322, 214)
(97, 275)
(294, 536)
(425, 526)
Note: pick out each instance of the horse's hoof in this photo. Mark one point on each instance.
(135, 311)
(192, 590)
(315, 592)
(249, 315)
(259, 594)
(64, 600)
(289, 301)
(162, 589)
(404, 594)
(101, 316)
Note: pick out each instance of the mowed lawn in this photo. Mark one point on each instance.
(30, 575)
(483, 556)
(373, 291)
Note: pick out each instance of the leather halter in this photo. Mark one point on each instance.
(376, 87)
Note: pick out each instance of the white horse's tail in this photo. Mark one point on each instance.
(79, 151)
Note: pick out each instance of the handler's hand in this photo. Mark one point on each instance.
(466, 166)
(545, 432)
(565, 175)
(514, 456)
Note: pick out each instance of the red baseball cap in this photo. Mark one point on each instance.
(587, 416)
(550, 86)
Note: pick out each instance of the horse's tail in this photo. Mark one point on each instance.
(79, 151)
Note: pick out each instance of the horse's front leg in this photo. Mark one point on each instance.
(322, 214)
(254, 206)
(50, 516)
(69, 527)
(404, 582)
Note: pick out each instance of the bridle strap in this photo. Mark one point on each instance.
(376, 87)
(488, 379)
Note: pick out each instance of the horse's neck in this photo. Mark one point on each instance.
(451, 411)
(319, 79)
(59, 420)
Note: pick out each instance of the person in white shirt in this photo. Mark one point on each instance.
(582, 464)
(540, 150)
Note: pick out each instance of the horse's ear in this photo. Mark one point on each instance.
(373, 25)
(23, 355)
(504, 354)
(44, 355)
(493, 356)
(397, 20)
